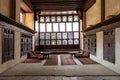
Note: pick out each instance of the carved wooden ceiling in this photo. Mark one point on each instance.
(59, 5)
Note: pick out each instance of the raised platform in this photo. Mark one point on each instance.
(60, 51)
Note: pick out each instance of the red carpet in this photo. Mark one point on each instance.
(32, 60)
(87, 61)
(67, 60)
(52, 60)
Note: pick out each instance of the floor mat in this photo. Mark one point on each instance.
(87, 61)
(67, 60)
(52, 60)
(32, 60)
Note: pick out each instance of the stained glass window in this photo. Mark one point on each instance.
(53, 19)
(47, 42)
(58, 35)
(55, 27)
(64, 42)
(49, 27)
(70, 35)
(47, 35)
(42, 42)
(59, 42)
(68, 26)
(36, 26)
(42, 19)
(76, 41)
(58, 18)
(42, 27)
(53, 35)
(47, 19)
(75, 18)
(58, 30)
(70, 41)
(42, 36)
(53, 42)
(70, 18)
(64, 35)
(76, 35)
(62, 27)
(64, 18)
(75, 26)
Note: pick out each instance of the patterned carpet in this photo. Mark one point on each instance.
(87, 61)
(52, 60)
(67, 60)
(32, 60)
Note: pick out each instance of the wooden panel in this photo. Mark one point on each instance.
(11, 44)
(60, 47)
(7, 45)
(109, 46)
(57, 4)
(26, 44)
(90, 44)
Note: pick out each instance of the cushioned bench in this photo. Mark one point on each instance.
(82, 54)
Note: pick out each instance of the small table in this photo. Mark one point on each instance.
(73, 53)
(45, 54)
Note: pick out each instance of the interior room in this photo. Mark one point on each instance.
(59, 40)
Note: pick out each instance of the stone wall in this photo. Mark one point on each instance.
(112, 7)
(93, 14)
(29, 20)
(5, 7)
(11, 9)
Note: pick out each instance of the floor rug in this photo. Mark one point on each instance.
(87, 61)
(32, 60)
(52, 60)
(67, 60)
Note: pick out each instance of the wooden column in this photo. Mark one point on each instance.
(102, 10)
(84, 21)
(13, 9)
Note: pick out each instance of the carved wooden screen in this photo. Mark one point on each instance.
(58, 32)
(90, 44)
(11, 44)
(109, 46)
(26, 44)
(7, 45)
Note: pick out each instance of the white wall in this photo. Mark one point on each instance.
(81, 36)
(117, 49)
(99, 57)
(33, 43)
(0, 45)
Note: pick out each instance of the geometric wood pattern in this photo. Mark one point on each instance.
(26, 44)
(109, 46)
(66, 34)
(90, 43)
(7, 45)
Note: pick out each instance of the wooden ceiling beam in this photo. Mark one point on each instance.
(55, 1)
(88, 4)
(72, 5)
(56, 8)
(28, 3)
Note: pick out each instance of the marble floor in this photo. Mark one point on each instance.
(37, 71)
(61, 78)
